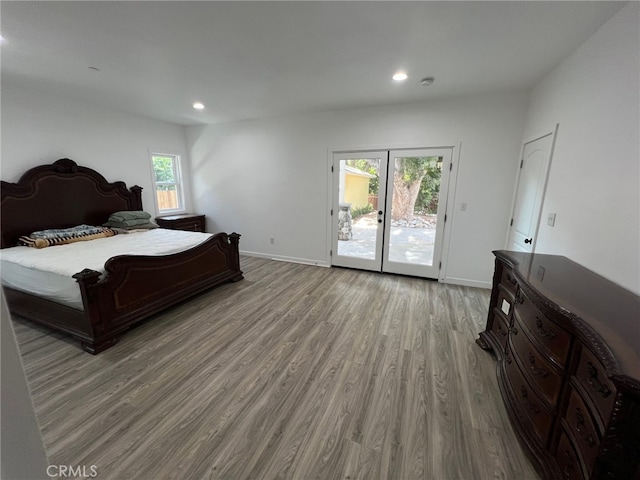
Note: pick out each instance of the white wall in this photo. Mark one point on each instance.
(269, 178)
(594, 180)
(39, 128)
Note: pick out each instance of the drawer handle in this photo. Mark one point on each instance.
(501, 331)
(511, 279)
(543, 372)
(513, 330)
(550, 334)
(587, 437)
(525, 396)
(519, 298)
(600, 387)
(569, 467)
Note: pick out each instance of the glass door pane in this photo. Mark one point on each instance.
(416, 183)
(358, 209)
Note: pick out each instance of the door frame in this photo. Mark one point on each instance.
(450, 200)
(554, 133)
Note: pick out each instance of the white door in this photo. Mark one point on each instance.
(389, 209)
(357, 178)
(525, 219)
(413, 239)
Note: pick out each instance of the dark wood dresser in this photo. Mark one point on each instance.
(568, 347)
(192, 223)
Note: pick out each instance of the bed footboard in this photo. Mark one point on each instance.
(137, 286)
(134, 288)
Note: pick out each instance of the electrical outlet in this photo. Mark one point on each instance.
(551, 219)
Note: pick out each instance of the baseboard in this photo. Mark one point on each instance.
(280, 258)
(467, 283)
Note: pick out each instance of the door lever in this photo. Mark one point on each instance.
(528, 240)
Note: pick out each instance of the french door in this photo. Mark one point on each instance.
(389, 208)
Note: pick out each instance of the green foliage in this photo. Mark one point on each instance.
(358, 212)
(427, 201)
(164, 172)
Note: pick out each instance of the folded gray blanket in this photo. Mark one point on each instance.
(127, 223)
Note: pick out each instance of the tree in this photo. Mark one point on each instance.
(407, 181)
(163, 170)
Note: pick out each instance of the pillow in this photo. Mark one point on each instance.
(80, 233)
(128, 215)
(118, 228)
(126, 223)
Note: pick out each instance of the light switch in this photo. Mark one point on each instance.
(551, 219)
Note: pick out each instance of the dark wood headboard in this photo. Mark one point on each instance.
(61, 195)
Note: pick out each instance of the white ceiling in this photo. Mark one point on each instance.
(255, 59)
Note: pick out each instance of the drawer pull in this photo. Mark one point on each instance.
(513, 330)
(501, 331)
(587, 437)
(525, 396)
(600, 387)
(550, 334)
(519, 298)
(543, 372)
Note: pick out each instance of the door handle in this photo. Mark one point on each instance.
(379, 220)
(528, 240)
(380, 212)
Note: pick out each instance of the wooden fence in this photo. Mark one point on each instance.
(167, 199)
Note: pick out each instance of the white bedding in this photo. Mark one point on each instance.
(48, 272)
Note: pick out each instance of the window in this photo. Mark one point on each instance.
(166, 173)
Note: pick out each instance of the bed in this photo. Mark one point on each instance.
(132, 287)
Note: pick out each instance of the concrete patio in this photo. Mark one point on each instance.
(411, 243)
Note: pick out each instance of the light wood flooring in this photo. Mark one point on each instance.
(296, 372)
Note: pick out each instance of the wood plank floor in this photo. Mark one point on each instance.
(296, 372)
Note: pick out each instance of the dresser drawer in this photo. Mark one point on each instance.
(568, 460)
(539, 370)
(583, 429)
(500, 327)
(527, 401)
(508, 280)
(546, 332)
(192, 226)
(591, 374)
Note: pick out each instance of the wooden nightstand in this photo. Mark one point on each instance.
(190, 222)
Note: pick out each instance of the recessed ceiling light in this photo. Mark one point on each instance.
(198, 106)
(400, 76)
(96, 69)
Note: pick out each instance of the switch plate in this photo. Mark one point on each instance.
(463, 207)
(551, 219)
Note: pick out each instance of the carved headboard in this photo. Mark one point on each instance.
(60, 195)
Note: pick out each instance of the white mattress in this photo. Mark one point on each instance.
(48, 272)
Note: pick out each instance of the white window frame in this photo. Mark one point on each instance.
(179, 183)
